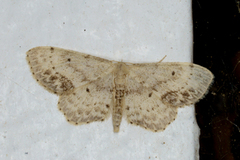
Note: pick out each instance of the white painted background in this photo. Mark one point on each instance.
(31, 127)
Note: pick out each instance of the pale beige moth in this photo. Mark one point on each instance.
(92, 88)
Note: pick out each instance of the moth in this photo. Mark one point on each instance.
(92, 88)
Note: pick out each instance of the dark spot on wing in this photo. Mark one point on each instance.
(185, 94)
(56, 82)
(142, 82)
(66, 84)
(150, 95)
(53, 78)
(154, 89)
(183, 101)
(170, 97)
(47, 72)
(52, 49)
